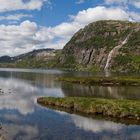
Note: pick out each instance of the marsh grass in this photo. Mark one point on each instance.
(125, 109)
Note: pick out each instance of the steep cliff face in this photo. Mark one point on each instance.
(104, 45)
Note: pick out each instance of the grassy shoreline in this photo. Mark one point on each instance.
(103, 81)
(108, 108)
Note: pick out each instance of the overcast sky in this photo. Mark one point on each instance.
(26, 25)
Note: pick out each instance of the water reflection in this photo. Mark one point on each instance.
(23, 94)
(101, 91)
(96, 126)
(102, 130)
(23, 119)
(17, 132)
(46, 124)
(11, 70)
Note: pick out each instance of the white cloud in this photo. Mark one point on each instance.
(125, 3)
(117, 1)
(10, 5)
(100, 13)
(137, 3)
(28, 35)
(15, 17)
(67, 29)
(80, 1)
(135, 16)
(20, 38)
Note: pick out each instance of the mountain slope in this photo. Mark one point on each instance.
(34, 59)
(36, 54)
(5, 59)
(104, 45)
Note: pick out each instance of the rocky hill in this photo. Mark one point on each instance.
(45, 54)
(5, 59)
(104, 45)
(34, 59)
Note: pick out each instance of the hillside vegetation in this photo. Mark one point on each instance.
(102, 45)
(108, 108)
(42, 58)
(89, 48)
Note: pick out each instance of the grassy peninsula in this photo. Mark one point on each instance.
(103, 81)
(107, 108)
(111, 108)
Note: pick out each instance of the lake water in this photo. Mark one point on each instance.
(22, 118)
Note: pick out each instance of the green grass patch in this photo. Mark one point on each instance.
(126, 109)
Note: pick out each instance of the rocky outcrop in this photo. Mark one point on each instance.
(100, 43)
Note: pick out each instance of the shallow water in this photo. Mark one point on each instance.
(22, 118)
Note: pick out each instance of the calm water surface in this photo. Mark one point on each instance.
(22, 118)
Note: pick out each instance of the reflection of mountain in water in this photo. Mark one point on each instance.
(101, 91)
(23, 119)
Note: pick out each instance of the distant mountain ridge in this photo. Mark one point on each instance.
(5, 59)
(41, 58)
(33, 54)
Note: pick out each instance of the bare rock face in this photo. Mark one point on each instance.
(91, 46)
(90, 56)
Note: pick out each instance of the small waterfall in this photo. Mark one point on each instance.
(113, 51)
